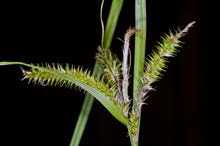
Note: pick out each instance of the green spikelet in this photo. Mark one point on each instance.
(56, 75)
(157, 61)
(45, 78)
(155, 65)
(112, 90)
(111, 66)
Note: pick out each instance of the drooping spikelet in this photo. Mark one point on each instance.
(38, 76)
(56, 75)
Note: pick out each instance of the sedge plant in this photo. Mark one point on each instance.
(111, 87)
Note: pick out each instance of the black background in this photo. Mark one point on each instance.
(69, 32)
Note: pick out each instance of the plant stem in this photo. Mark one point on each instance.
(140, 46)
(82, 119)
(140, 42)
(112, 21)
(88, 102)
(130, 136)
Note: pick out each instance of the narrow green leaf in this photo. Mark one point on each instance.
(113, 108)
(84, 115)
(112, 22)
(109, 31)
(82, 120)
(140, 43)
(140, 46)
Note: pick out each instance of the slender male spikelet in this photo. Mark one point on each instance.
(126, 68)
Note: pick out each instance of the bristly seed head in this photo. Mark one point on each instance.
(155, 65)
(157, 61)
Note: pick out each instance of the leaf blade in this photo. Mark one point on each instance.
(106, 40)
(108, 104)
(139, 58)
(82, 120)
(140, 42)
(112, 22)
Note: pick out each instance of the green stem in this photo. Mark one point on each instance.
(130, 136)
(82, 120)
(88, 102)
(140, 42)
(112, 21)
(140, 46)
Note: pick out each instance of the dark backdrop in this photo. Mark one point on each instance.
(69, 31)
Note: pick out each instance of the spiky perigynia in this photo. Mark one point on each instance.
(155, 64)
(55, 75)
(40, 77)
(111, 66)
(112, 90)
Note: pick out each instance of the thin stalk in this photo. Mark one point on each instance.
(84, 114)
(82, 120)
(130, 136)
(140, 46)
(112, 21)
(88, 102)
(140, 42)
